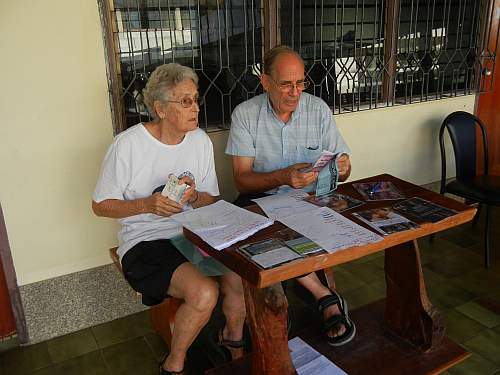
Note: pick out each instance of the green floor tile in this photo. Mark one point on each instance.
(345, 280)
(156, 344)
(479, 281)
(121, 330)
(474, 365)
(364, 295)
(24, 360)
(130, 357)
(90, 363)
(447, 296)
(71, 346)
(486, 344)
(459, 327)
(367, 272)
(480, 314)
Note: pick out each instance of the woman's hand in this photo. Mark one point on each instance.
(190, 194)
(162, 206)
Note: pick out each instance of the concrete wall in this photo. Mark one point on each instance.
(56, 125)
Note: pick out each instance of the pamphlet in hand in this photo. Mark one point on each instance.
(328, 179)
(335, 201)
(269, 253)
(378, 190)
(422, 210)
(323, 160)
(299, 243)
(173, 190)
(384, 220)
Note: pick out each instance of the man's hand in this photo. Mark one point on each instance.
(159, 205)
(190, 194)
(297, 179)
(343, 167)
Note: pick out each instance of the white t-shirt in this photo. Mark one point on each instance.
(136, 163)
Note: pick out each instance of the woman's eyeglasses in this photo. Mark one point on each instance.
(187, 102)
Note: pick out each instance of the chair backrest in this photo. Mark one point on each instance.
(462, 129)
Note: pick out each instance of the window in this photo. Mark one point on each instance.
(359, 54)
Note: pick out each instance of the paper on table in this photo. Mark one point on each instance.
(330, 230)
(286, 204)
(222, 224)
(308, 361)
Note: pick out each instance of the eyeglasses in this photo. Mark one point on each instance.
(288, 86)
(187, 102)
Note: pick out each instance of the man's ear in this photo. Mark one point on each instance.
(264, 80)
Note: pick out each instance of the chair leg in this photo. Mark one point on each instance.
(487, 260)
(477, 216)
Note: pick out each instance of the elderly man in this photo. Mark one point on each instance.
(273, 137)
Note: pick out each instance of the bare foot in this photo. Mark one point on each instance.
(339, 329)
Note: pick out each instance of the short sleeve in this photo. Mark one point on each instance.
(209, 182)
(240, 141)
(114, 175)
(332, 139)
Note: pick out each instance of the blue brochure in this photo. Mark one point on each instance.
(328, 178)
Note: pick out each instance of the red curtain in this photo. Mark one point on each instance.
(7, 322)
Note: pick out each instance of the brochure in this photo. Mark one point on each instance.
(323, 160)
(422, 210)
(173, 190)
(385, 220)
(335, 201)
(299, 243)
(269, 253)
(378, 190)
(328, 179)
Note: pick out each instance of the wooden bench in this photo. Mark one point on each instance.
(162, 315)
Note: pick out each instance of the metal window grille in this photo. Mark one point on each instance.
(359, 54)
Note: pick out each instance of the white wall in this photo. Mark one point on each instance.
(56, 125)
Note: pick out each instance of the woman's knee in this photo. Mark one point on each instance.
(203, 296)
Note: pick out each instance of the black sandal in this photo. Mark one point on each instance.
(335, 320)
(232, 349)
(167, 372)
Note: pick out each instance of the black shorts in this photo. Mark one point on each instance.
(148, 267)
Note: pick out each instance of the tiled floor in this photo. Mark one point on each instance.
(465, 292)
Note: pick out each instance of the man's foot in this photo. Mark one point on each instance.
(338, 328)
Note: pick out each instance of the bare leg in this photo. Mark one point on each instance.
(318, 290)
(233, 306)
(200, 297)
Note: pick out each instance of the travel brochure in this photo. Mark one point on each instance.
(269, 253)
(299, 243)
(384, 220)
(335, 201)
(422, 210)
(378, 190)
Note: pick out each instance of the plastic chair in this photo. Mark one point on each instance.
(485, 188)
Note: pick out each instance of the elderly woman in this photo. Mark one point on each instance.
(139, 161)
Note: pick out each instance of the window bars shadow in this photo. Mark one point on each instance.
(359, 54)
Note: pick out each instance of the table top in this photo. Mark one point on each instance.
(262, 278)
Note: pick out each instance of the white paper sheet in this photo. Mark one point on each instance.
(286, 204)
(222, 224)
(308, 361)
(329, 229)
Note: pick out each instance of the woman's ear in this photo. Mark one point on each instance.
(159, 109)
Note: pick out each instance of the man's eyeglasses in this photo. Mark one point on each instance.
(288, 86)
(187, 102)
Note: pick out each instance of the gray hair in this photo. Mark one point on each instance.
(161, 82)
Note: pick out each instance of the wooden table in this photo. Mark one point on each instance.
(405, 332)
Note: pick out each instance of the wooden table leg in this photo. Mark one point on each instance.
(408, 311)
(267, 317)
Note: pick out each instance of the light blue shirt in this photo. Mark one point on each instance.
(257, 132)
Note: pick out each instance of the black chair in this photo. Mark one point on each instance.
(484, 188)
